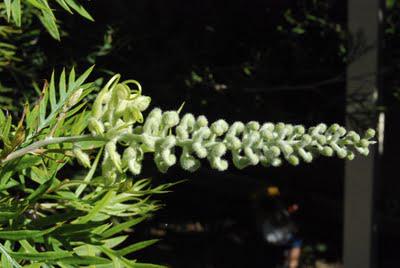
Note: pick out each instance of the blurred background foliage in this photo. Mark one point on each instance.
(260, 60)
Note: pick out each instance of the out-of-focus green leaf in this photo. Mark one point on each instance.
(16, 12)
(136, 247)
(41, 189)
(6, 260)
(84, 260)
(98, 207)
(24, 234)
(49, 22)
(80, 9)
(48, 256)
(122, 226)
(298, 30)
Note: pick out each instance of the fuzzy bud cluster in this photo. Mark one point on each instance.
(117, 108)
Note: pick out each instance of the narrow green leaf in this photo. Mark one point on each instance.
(75, 85)
(115, 241)
(43, 104)
(38, 175)
(49, 22)
(7, 3)
(147, 265)
(80, 123)
(98, 207)
(62, 85)
(89, 175)
(2, 118)
(16, 12)
(85, 260)
(11, 183)
(52, 92)
(42, 256)
(71, 80)
(7, 215)
(27, 247)
(6, 259)
(68, 229)
(20, 234)
(122, 226)
(80, 9)
(27, 161)
(39, 5)
(75, 109)
(64, 5)
(41, 190)
(136, 247)
(5, 132)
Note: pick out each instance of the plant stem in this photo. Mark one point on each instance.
(42, 143)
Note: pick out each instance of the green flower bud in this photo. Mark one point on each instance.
(200, 151)
(340, 152)
(188, 162)
(168, 158)
(219, 127)
(363, 143)
(333, 128)
(299, 130)
(353, 136)
(253, 125)
(111, 149)
(82, 157)
(122, 91)
(268, 126)
(350, 156)
(306, 140)
(363, 151)
(285, 148)
(134, 167)
(369, 134)
(97, 108)
(95, 126)
(235, 129)
(281, 130)
(201, 121)
(341, 131)
(141, 102)
(252, 157)
(293, 160)
(219, 164)
(218, 150)
(74, 98)
(151, 126)
(307, 156)
(109, 171)
(239, 161)
(321, 139)
(170, 119)
(276, 162)
(327, 151)
(182, 132)
(266, 134)
(233, 142)
(274, 151)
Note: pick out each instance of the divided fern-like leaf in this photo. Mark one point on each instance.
(63, 99)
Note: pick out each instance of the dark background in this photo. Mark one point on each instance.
(238, 60)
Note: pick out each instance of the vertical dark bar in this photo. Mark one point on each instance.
(362, 79)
